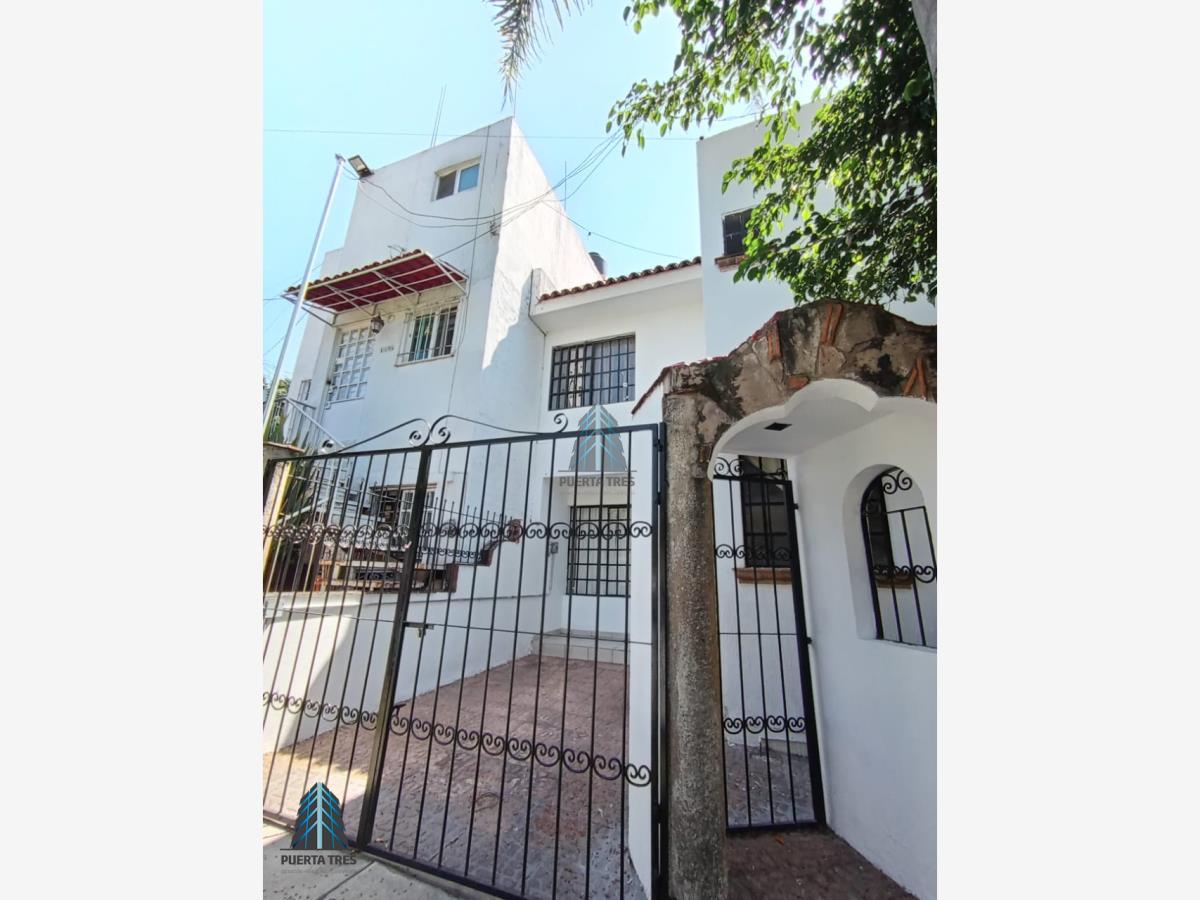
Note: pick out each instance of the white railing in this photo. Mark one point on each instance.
(294, 423)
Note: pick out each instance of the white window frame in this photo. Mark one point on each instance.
(456, 171)
(353, 344)
(403, 496)
(412, 329)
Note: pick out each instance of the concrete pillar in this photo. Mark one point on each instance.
(696, 799)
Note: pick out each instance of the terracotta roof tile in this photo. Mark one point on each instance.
(617, 279)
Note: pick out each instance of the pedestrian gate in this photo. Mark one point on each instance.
(772, 766)
(461, 641)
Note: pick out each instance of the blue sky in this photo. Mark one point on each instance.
(380, 67)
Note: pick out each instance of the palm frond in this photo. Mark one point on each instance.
(522, 26)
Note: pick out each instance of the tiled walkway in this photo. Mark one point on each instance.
(457, 799)
(809, 864)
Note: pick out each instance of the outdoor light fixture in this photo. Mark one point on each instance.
(778, 426)
(360, 168)
(377, 322)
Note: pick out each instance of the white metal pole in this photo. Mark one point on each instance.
(299, 299)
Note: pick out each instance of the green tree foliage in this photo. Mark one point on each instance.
(874, 138)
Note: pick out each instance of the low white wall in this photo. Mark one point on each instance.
(877, 700)
(310, 655)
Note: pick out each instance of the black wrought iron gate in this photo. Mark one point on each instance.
(772, 764)
(461, 641)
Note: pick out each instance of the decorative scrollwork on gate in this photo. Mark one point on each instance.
(771, 724)
(895, 480)
(756, 556)
(739, 469)
(521, 749)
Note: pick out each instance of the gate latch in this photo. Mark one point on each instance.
(419, 627)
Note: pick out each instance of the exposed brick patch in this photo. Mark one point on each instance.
(916, 383)
(773, 345)
(833, 318)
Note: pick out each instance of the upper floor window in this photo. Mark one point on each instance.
(457, 180)
(901, 560)
(593, 373)
(351, 361)
(733, 227)
(430, 335)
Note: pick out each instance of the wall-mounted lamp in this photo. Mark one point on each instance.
(377, 323)
(361, 169)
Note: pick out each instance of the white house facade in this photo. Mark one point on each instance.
(462, 295)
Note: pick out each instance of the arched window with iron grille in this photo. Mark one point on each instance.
(901, 560)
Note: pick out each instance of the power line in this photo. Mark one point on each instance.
(538, 137)
(609, 141)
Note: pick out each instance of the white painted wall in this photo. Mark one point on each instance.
(732, 312)
(497, 346)
(876, 700)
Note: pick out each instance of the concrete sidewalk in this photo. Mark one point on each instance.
(368, 879)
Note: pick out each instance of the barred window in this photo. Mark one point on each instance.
(393, 504)
(430, 335)
(765, 512)
(351, 360)
(592, 373)
(598, 552)
(901, 560)
(733, 228)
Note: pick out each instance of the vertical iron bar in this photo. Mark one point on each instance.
(806, 686)
(487, 678)
(537, 689)
(737, 608)
(357, 621)
(625, 659)
(603, 567)
(512, 666)
(763, 499)
(912, 566)
(787, 738)
(658, 667)
(373, 543)
(467, 638)
(562, 726)
(392, 670)
(437, 683)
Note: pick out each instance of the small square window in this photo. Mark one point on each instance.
(468, 177)
(733, 227)
(445, 185)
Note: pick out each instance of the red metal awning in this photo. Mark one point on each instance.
(377, 282)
